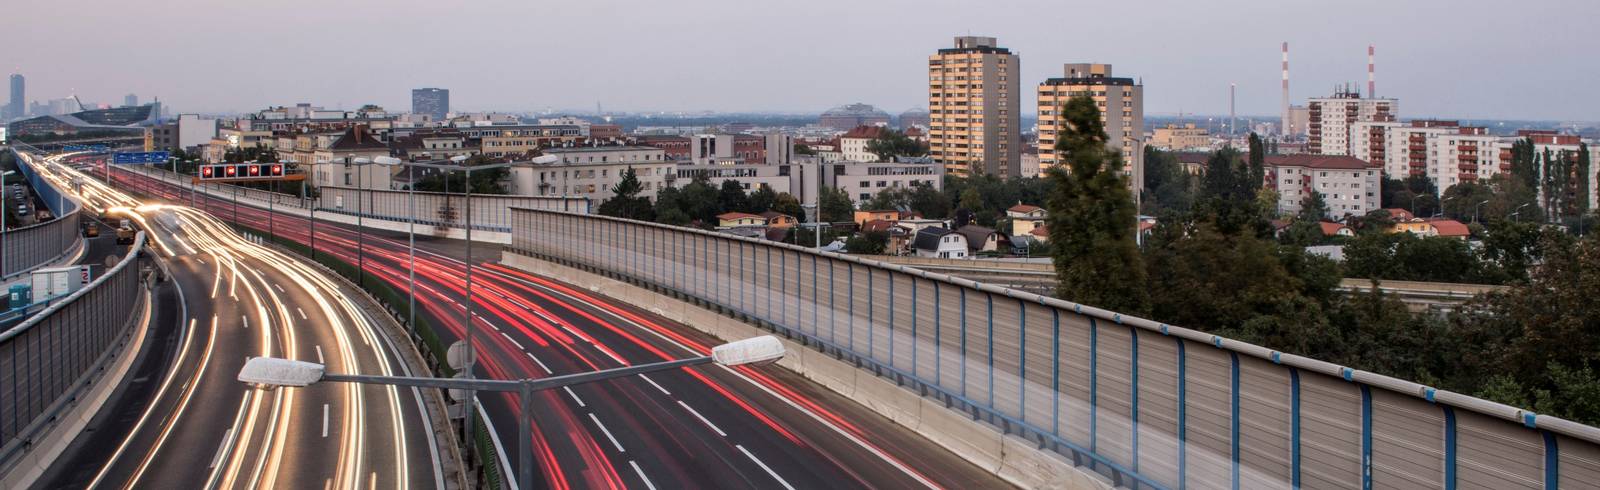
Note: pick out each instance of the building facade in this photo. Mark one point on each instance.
(1121, 104)
(431, 101)
(854, 143)
(1179, 138)
(17, 105)
(848, 116)
(974, 106)
(1331, 119)
(594, 172)
(1350, 186)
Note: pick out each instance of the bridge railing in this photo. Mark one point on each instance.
(1144, 403)
(47, 361)
(24, 249)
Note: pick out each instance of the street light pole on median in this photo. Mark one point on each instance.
(411, 232)
(270, 372)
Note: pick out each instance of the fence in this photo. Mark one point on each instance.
(489, 212)
(26, 248)
(46, 361)
(1145, 403)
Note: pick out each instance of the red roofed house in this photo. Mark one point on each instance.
(1024, 218)
(1335, 229)
(1349, 185)
(1433, 227)
(854, 143)
(1399, 215)
(736, 220)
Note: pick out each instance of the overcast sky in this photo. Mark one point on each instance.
(1530, 59)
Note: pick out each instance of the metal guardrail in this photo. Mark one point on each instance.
(24, 249)
(49, 359)
(1144, 403)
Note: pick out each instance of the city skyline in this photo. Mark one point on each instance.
(781, 61)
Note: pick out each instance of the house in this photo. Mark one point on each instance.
(861, 217)
(778, 220)
(1024, 218)
(940, 242)
(737, 220)
(981, 239)
(913, 225)
(899, 238)
(1399, 215)
(1433, 227)
(1335, 229)
(855, 142)
(1040, 233)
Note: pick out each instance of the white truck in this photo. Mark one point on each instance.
(59, 281)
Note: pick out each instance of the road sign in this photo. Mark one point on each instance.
(140, 157)
(246, 172)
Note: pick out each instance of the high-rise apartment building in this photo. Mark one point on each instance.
(431, 101)
(17, 105)
(130, 100)
(974, 108)
(1121, 103)
(1332, 118)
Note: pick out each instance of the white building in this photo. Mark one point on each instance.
(593, 172)
(1350, 186)
(1467, 155)
(940, 242)
(853, 144)
(1332, 117)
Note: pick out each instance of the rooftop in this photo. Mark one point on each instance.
(1336, 162)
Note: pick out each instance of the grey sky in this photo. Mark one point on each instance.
(1534, 59)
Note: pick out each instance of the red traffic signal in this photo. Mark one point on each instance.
(233, 170)
(255, 170)
(277, 169)
(205, 171)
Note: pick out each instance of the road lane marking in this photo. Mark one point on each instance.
(607, 433)
(226, 436)
(646, 479)
(302, 312)
(763, 466)
(653, 383)
(319, 355)
(324, 420)
(246, 320)
(280, 288)
(541, 363)
(702, 419)
(574, 396)
(514, 341)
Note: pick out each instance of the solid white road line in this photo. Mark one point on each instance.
(607, 432)
(653, 383)
(574, 396)
(541, 363)
(514, 341)
(221, 448)
(302, 312)
(702, 419)
(280, 288)
(324, 420)
(246, 320)
(763, 466)
(319, 355)
(646, 479)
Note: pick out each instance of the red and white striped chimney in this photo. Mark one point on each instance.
(1372, 81)
(1283, 126)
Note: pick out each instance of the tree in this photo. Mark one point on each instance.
(834, 206)
(1307, 227)
(1169, 188)
(1523, 163)
(1229, 195)
(786, 203)
(804, 149)
(731, 197)
(761, 200)
(890, 144)
(868, 243)
(626, 202)
(1258, 161)
(1092, 218)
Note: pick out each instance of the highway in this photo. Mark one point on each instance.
(188, 423)
(744, 427)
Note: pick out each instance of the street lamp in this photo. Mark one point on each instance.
(3, 211)
(411, 232)
(1440, 212)
(1475, 208)
(361, 236)
(268, 372)
(1518, 211)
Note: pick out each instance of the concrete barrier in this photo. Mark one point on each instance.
(1015, 460)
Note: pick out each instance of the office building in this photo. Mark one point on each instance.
(593, 172)
(1121, 103)
(1179, 138)
(130, 100)
(18, 103)
(431, 101)
(779, 149)
(974, 108)
(1331, 119)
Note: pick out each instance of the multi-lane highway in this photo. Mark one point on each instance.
(696, 428)
(190, 424)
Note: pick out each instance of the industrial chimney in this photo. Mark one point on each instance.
(1283, 127)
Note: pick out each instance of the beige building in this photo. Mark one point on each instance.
(1349, 185)
(974, 106)
(593, 172)
(1333, 117)
(1180, 138)
(1121, 103)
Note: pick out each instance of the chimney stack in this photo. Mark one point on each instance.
(1372, 81)
(1283, 127)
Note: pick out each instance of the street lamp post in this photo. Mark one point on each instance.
(361, 236)
(270, 372)
(1440, 212)
(411, 236)
(1518, 211)
(1475, 209)
(3, 210)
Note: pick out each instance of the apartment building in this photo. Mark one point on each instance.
(593, 172)
(974, 106)
(854, 143)
(725, 148)
(863, 180)
(1369, 139)
(1331, 119)
(1406, 146)
(1350, 186)
(1469, 154)
(1121, 103)
(1179, 138)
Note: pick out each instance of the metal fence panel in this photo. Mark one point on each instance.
(1130, 398)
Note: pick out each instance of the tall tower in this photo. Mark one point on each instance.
(1372, 80)
(974, 106)
(1122, 103)
(1233, 118)
(1283, 127)
(432, 101)
(18, 105)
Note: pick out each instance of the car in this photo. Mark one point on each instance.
(91, 229)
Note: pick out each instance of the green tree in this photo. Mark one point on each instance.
(626, 202)
(1524, 165)
(890, 144)
(868, 243)
(1092, 218)
(786, 203)
(834, 206)
(1307, 227)
(731, 197)
(761, 200)
(1169, 189)
(1228, 195)
(1258, 161)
